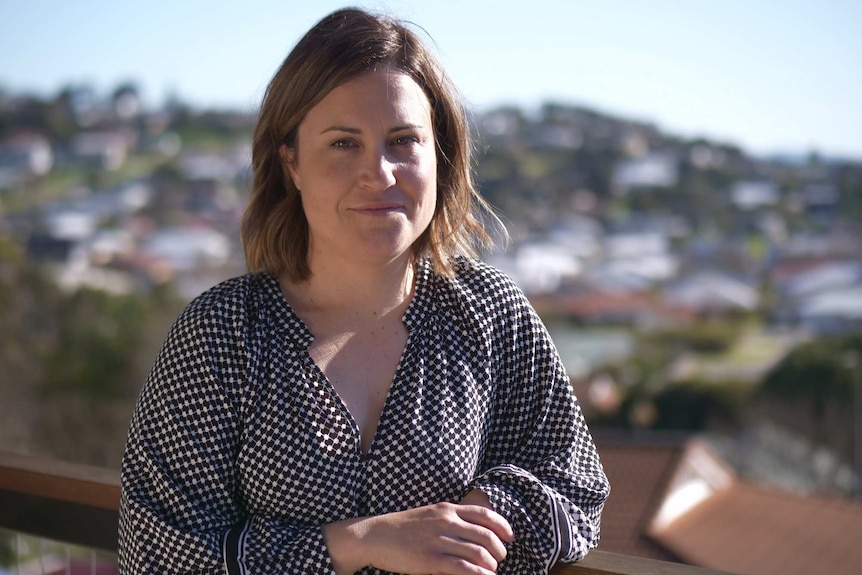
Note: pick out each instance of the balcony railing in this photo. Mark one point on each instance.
(78, 505)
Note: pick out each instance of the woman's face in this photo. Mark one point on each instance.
(366, 166)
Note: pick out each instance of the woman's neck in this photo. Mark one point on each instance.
(352, 289)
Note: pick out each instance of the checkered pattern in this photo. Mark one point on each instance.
(240, 449)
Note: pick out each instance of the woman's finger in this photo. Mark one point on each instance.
(487, 518)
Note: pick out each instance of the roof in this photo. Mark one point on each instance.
(756, 531)
(711, 289)
(674, 498)
(638, 474)
(606, 304)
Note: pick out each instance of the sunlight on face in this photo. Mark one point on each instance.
(365, 164)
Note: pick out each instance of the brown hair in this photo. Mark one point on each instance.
(341, 46)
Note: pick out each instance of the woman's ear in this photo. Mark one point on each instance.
(288, 159)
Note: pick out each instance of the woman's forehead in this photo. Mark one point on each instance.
(388, 97)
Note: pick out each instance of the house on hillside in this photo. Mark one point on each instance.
(70, 263)
(188, 249)
(828, 275)
(833, 244)
(654, 170)
(105, 150)
(210, 181)
(23, 156)
(193, 257)
(833, 312)
(644, 254)
(589, 305)
(821, 201)
(55, 250)
(538, 266)
(710, 292)
(556, 137)
(749, 195)
(825, 296)
(80, 216)
(679, 500)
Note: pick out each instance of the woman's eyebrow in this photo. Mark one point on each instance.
(351, 130)
(406, 127)
(338, 128)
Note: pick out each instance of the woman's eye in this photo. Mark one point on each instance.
(406, 140)
(342, 144)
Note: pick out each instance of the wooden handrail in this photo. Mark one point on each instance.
(79, 504)
(60, 480)
(605, 563)
(57, 500)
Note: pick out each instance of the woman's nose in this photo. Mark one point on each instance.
(378, 169)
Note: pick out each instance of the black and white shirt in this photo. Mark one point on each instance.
(240, 449)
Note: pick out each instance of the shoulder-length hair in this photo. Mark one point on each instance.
(341, 46)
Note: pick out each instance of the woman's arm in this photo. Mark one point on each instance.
(180, 509)
(541, 470)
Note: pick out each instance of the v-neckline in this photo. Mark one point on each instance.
(377, 436)
(420, 307)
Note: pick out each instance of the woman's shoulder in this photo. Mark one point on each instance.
(480, 279)
(481, 290)
(230, 300)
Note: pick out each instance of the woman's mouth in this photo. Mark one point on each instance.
(379, 209)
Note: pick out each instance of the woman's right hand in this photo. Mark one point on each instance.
(443, 538)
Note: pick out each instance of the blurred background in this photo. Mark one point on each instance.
(682, 182)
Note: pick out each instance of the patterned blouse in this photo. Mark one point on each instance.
(240, 449)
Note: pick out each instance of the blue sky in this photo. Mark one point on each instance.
(767, 75)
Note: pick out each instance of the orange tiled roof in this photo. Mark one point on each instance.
(756, 531)
(676, 499)
(638, 473)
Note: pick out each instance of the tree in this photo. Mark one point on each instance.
(72, 363)
(812, 391)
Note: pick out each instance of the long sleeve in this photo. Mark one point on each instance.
(181, 509)
(541, 470)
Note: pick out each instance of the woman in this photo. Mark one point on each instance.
(370, 397)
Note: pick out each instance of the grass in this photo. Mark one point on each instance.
(60, 181)
(754, 352)
(54, 186)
